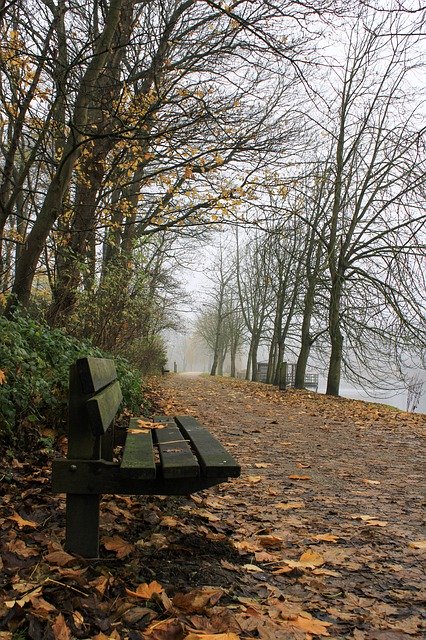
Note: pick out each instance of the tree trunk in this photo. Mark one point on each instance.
(336, 339)
(52, 205)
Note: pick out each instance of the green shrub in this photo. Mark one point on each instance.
(34, 369)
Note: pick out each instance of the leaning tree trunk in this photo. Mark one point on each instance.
(52, 204)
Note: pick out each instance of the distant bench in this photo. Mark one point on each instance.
(178, 458)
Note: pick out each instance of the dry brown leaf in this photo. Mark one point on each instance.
(21, 522)
(147, 424)
(212, 636)
(19, 548)
(100, 584)
(326, 537)
(417, 544)
(26, 598)
(311, 625)
(254, 479)
(308, 560)
(59, 558)
(294, 476)
(60, 629)
(168, 521)
(145, 591)
(195, 601)
(289, 505)
(41, 607)
(253, 568)
(366, 481)
(326, 572)
(165, 630)
(117, 544)
(211, 517)
(2, 377)
(270, 541)
(244, 546)
(262, 465)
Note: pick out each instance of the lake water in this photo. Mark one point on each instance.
(398, 399)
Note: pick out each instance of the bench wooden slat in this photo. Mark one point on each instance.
(95, 373)
(177, 459)
(102, 408)
(214, 459)
(138, 458)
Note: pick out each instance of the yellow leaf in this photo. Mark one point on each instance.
(145, 591)
(254, 479)
(2, 377)
(147, 424)
(22, 522)
(308, 560)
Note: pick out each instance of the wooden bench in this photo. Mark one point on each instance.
(179, 457)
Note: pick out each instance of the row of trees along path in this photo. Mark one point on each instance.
(321, 536)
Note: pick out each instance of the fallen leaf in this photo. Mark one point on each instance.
(417, 544)
(294, 476)
(60, 629)
(254, 479)
(168, 521)
(262, 465)
(326, 537)
(308, 560)
(270, 541)
(117, 544)
(195, 601)
(19, 548)
(366, 481)
(212, 636)
(252, 567)
(289, 505)
(59, 558)
(147, 424)
(26, 598)
(145, 591)
(21, 522)
(311, 625)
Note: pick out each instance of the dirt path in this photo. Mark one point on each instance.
(330, 505)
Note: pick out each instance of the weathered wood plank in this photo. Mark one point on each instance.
(95, 373)
(102, 408)
(138, 457)
(95, 477)
(177, 459)
(214, 459)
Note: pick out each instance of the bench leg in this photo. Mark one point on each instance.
(82, 525)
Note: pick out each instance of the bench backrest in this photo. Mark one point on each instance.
(94, 398)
